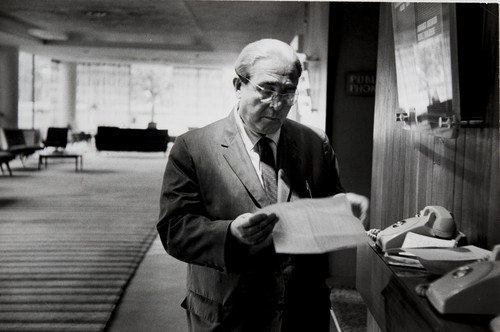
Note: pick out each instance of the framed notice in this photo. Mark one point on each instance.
(426, 67)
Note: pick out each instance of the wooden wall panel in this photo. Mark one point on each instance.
(425, 159)
(383, 132)
(413, 170)
(443, 170)
(410, 176)
(459, 181)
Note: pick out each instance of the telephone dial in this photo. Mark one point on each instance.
(469, 289)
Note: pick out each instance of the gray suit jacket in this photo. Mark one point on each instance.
(209, 181)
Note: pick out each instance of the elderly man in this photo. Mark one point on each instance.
(216, 180)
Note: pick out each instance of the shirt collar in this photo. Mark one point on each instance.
(250, 138)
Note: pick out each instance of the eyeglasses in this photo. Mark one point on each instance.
(268, 96)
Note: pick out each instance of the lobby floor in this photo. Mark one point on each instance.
(152, 300)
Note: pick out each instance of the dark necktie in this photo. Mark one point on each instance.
(268, 168)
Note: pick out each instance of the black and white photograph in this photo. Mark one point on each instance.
(249, 166)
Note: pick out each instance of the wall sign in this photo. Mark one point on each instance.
(360, 84)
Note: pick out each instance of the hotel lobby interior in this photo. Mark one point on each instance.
(79, 249)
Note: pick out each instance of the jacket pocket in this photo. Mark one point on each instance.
(205, 308)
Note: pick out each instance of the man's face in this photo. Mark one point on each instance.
(270, 74)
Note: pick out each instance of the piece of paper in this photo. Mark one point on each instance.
(413, 240)
(442, 260)
(403, 261)
(319, 225)
(464, 253)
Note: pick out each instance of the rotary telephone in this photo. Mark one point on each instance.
(469, 289)
(434, 221)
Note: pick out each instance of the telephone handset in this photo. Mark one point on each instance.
(433, 221)
(469, 289)
(440, 222)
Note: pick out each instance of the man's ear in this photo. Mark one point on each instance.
(237, 83)
(237, 86)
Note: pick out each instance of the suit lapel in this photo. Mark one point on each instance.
(238, 159)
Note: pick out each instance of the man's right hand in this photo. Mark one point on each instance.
(253, 229)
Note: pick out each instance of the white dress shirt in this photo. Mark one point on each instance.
(250, 139)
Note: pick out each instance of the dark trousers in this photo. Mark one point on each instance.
(306, 309)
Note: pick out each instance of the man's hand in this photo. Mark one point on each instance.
(253, 229)
(359, 206)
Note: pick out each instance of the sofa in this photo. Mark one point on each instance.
(130, 139)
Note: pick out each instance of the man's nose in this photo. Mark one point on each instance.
(276, 103)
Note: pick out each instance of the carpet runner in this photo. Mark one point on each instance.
(70, 242)
(65, 278)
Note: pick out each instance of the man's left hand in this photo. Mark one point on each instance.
(359, 206)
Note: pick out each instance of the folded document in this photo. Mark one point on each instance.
(320, 225)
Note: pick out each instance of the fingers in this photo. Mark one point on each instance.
(253, 229)
(260, 228)
(259, 221)
(359, 205)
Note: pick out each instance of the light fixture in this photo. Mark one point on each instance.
(47, 35)
(96, 13)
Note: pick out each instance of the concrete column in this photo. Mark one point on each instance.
(66, 110)
(9, 81)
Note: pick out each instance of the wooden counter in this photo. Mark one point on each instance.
(393, 304)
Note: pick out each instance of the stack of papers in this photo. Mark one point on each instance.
(400, 259)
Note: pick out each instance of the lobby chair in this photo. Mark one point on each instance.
(5, 157)
(16, 144)
(56, 137)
